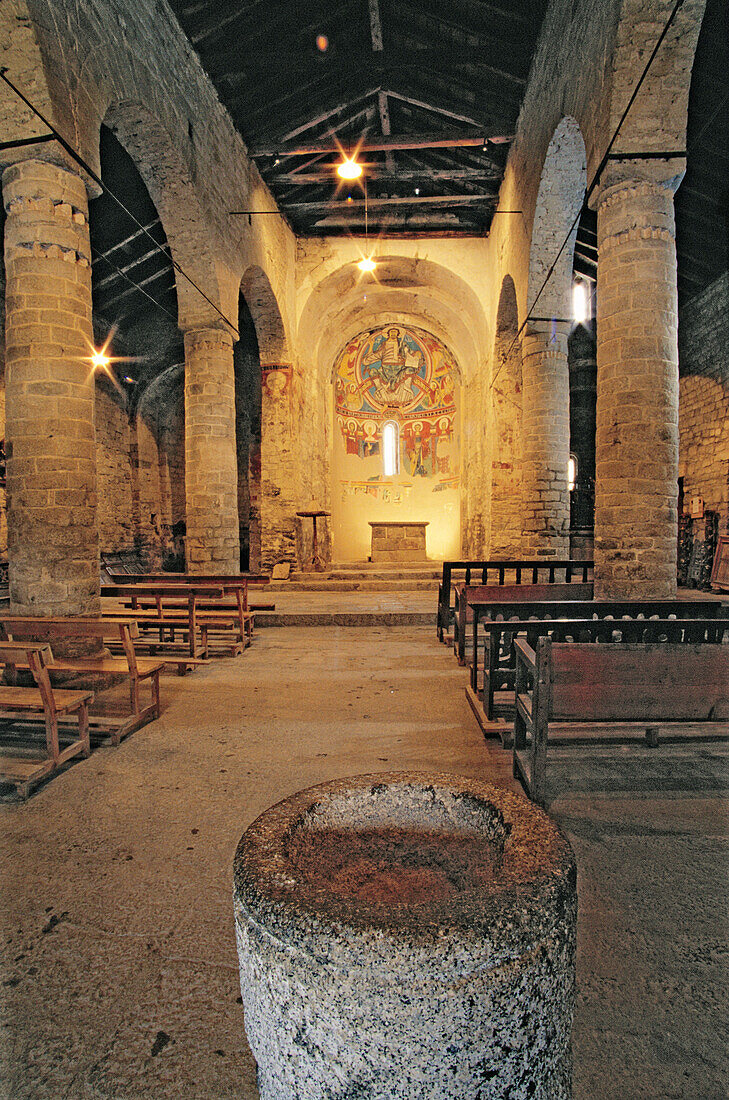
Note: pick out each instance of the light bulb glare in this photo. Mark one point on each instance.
(349, 169)
(580, 303)
(100, 361)
(367, 264)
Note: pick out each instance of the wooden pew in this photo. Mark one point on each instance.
(197, 626)
(247, 579)
(120, 633)
(502, 572)
(466, 596)
(682, 678)
(42, 701)
(496, 622)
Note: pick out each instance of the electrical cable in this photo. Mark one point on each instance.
(598, 172)
(165, 250)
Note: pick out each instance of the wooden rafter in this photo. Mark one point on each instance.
(407, 141)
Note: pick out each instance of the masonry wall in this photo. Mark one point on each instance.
(703, 343)
(113, 470)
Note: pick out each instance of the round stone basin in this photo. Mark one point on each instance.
(409, 936)
(373, 848)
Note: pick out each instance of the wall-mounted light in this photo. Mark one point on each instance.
(571, 473)
(580, 302)
(99, 360)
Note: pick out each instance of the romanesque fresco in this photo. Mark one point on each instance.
(404, 374)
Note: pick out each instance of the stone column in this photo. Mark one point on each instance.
(280, 492)
(53, 536)
(545, 443)
(211, 473)
(636, 491)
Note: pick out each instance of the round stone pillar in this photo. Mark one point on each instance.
(407, 936)
(545, 443)
(636, 467)
(53, 545)
(211, 470)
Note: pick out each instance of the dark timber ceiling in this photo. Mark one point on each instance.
(394, 73)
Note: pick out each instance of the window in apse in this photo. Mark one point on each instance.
(390, 449)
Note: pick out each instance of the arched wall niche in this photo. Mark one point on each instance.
(395, 372)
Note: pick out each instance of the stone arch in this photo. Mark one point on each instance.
(270, 469)
(505, 437)
(559, 201)
(171, 188)
(273, 344)
(404, 288)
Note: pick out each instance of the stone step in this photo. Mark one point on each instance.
(321, 582)
(345, 618)
(360, 575)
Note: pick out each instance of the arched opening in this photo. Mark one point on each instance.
(139, 412)
(505, 444)
(545, 429)
(247, 367)
(396, 439)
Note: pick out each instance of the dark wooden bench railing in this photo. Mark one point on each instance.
(243, 580)
(44, 702)
(497, 624)
(680, 674)
(120, 633)
(502, 572)
(467, 597)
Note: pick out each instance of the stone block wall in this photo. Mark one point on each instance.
(113, 470)
(703, 343)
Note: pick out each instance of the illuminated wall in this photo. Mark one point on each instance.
(402, 375)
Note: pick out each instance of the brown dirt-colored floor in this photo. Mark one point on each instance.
(118, 967)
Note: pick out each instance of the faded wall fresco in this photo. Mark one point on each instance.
(401, 374)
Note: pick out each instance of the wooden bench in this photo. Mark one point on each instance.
(684, 678)
(121, 634)
(41, 701)
(247, 580)
(503, 572)
(466, 596)
(506, 621)
(232, 629)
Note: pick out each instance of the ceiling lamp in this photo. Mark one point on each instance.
(349, 169)
(367, 264)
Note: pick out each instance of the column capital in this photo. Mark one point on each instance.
(42, 164)
(208, 338)
(629, 174)
(634, 210)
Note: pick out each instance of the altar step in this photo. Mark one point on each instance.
(363, 577)
(359, 594)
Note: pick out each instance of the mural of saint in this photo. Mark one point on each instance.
(401, 372)
(394, 362)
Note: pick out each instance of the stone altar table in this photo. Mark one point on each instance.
(398, 540)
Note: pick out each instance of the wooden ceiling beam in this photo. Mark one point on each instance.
(406, 175)
(370, 145)
(236, 66)
(335, 205)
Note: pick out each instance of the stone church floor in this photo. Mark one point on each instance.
(118, 971)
